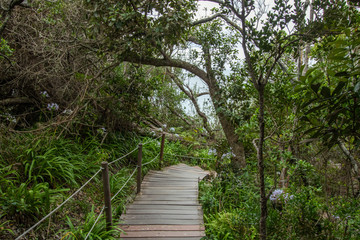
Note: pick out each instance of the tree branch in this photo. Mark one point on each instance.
(12, 101)
(134, 58)
(202, 94)
(228, 5)
(8, 11)
(205, 20)
(192, 98)
(176, 113)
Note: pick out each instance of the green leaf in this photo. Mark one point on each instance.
(342, 74)
(325, 91)
(315, 121)
(315, 87)
(310, 130)
(304, 105)
(357, 87)
(315, 109)
(338, 88)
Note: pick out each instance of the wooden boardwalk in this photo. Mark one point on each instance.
(167, 207)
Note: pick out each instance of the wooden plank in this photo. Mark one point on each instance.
(150, 206)
(167, 207)
(146, 234)
(176, 202)
(163, 227)
(160, 216)
(163, 197)
(163, 211)
(162, 238)
(169, 191)
(163, 221)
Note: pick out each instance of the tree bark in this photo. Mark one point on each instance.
(260, 156)
(350, 157)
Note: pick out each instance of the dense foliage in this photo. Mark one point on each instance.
(83, 82)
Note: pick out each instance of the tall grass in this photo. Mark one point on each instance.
(38, 172)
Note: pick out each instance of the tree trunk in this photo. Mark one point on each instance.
(214, 90)
(228, 127)
(260, 157)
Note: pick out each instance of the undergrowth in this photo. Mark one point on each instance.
(231, 208)
(39, 171)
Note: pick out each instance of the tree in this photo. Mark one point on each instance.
(218, 37)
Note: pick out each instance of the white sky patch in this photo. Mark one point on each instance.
(204, 10)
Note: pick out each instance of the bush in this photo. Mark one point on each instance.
(27, 201)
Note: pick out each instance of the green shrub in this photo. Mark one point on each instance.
(27, 200)
(98, 232)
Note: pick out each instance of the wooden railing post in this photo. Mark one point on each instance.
(162, 150)
(107, 196)
(139, 163)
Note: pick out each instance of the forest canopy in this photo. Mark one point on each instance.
(283, 120)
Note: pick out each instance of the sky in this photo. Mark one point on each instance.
(204, 10)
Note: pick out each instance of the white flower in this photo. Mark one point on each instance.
(164, 125)
(10, 118)
(44, 94)
(212, 151)
(53, 106)
(101, 130)
(172, 129)
(278, 194)
(153, 133)
(228, 155)
(67, 112)
(275, 195)
(160, 129)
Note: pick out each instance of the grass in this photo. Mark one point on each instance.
(38, 172)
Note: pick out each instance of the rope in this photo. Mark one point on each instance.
(188, 156)
(97, 219)
(151, 160)
(152, 140)
(124, 184)
(133, 150)
(53, 211)
(123, 156)
(77, 191)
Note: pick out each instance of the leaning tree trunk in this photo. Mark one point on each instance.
(228, 127)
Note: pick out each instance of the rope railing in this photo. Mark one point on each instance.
(113, 197)
(127, 154)
(106, 184)
(58, 207)
(97, 219)
(124, 156)
(152, 160)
